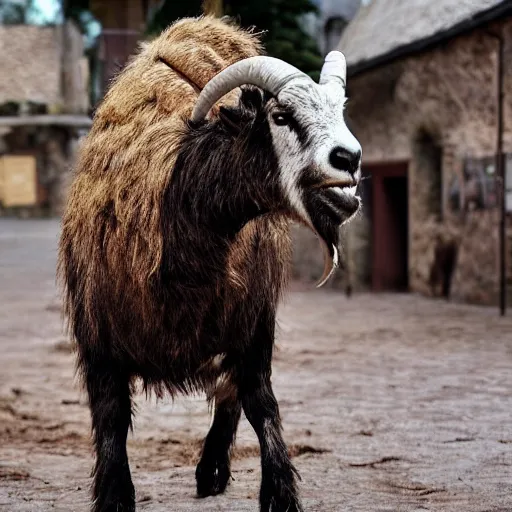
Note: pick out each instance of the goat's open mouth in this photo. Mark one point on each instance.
(331, 183)
(332, 201)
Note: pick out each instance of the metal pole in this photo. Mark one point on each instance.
(500, 170)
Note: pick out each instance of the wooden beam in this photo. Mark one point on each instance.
(76, 121)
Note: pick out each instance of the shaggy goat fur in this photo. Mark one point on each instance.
(153, 289)
(112, 248)
(114, 215)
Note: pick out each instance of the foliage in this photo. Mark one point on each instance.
(279, 20)
(284, 36)
(19, 12)
(78, 11)
(169, 11)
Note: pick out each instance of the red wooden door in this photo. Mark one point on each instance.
(389, 226)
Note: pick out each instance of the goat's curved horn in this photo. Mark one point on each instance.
(334, 68)
(268, 73)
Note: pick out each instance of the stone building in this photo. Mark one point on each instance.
(327, 25)
(422, 89)
(43, 108)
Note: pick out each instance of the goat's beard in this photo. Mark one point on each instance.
(328, 210)
(331, 256)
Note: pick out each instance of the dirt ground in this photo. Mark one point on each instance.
(389, 403)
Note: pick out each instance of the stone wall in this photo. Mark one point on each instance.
(55, 154)
(446, 96)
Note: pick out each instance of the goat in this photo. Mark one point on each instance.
(175, 243)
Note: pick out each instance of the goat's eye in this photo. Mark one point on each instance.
(281, 119)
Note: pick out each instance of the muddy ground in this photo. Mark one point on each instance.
(389, 402)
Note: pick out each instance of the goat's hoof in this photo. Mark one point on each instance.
(117, 507)
(280, 503)
(122, 505)
(287, 506)
(279, 497)
(212, 479)
(115, 494)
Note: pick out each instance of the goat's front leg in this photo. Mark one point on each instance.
(278, 482)
(213, 471)
(110, 403)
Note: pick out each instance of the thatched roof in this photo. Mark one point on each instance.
(30, 61)
(387, 29)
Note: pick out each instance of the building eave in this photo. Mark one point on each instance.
(504, 9)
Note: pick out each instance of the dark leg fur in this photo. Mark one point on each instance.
(213, 471)
(110, 404)
(278, 485)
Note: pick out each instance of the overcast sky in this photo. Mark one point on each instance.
(49, 8)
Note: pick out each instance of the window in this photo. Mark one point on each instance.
(477, 188)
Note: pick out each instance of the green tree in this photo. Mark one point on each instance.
(171, 10)
(279, 20)
(78, 11)
(20, 12)
(284, 36)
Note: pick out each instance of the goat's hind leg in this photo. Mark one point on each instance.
(213, 471)
(110, 403)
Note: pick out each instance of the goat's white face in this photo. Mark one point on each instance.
(319, 158)
(314, 147)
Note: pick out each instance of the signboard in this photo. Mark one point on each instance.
(476, 188)
(18, 181)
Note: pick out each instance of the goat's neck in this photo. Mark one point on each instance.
(221, 181)
(204, 221)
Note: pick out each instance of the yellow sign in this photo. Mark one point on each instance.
(18, 180)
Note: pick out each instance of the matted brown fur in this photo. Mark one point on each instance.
(112, 243)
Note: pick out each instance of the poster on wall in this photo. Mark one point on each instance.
(476, 187)
(19, 180)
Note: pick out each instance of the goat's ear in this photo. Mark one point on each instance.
(252, 97)
(230, 119)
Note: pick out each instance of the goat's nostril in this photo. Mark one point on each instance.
(344, 160)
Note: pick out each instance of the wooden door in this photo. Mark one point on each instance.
(389, 226)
